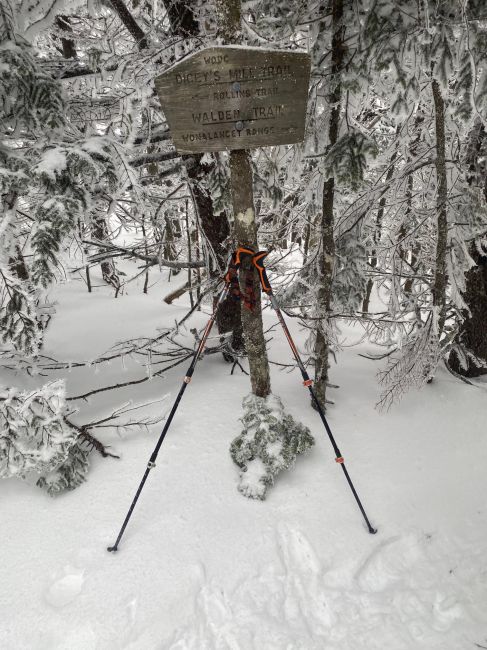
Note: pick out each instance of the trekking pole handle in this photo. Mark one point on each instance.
(240, 253)
(258, 261)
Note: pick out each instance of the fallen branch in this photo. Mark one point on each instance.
(152, 260)
(177, 293)
(85, 436)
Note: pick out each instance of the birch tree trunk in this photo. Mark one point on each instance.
(326, 258)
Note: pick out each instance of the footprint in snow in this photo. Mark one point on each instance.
(304, 598)
(391, 562)
(66, 589)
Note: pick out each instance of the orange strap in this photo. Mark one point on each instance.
(340, 460)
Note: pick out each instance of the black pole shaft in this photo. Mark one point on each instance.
(152, 461)
(308, 383)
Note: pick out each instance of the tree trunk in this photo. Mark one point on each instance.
(440, 279)
(130, 23)
(108, 268)
(229, 12)
(378, 230)
(216, 230)
(246, 235)
(326, 259)
(473, 332)
(68, 45)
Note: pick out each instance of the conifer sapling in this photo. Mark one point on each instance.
(269, 443)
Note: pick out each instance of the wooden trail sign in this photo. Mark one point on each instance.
(224, 98)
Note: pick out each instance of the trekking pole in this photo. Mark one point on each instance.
(152, 461)
(258, 262)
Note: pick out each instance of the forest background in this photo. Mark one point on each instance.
(378, 218)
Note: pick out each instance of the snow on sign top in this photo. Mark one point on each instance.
(229, 97)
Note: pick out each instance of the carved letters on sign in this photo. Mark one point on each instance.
(229, 97)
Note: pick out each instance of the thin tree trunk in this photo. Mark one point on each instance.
(415, 250)
(88, 278)
(108, 268)
(198, 270)
(378, 230)
(146, 250)
(326, 258)
(130, 23)
(440, 279)
(190, 272)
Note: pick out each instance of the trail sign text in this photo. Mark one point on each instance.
(228, 97)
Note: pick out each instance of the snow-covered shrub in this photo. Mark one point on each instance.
(70, 474)
(270, 441)
(35, 438)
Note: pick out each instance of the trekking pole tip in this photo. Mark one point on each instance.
(112, 549)
(372, 531)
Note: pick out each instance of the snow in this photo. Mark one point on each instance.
(53, 161)
(203, 568)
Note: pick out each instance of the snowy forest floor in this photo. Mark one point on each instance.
(203, 568)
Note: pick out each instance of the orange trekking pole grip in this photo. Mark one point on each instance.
(258, 262)
(241, 252)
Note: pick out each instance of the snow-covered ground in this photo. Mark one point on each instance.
(201, 567)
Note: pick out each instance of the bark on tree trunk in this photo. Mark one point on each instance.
(108, 268)
(440, 279)
(246, 235)
(473, 330)
(229, 12)
(473, 333)
(68, 45)
(130, 23)
(326, 259)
